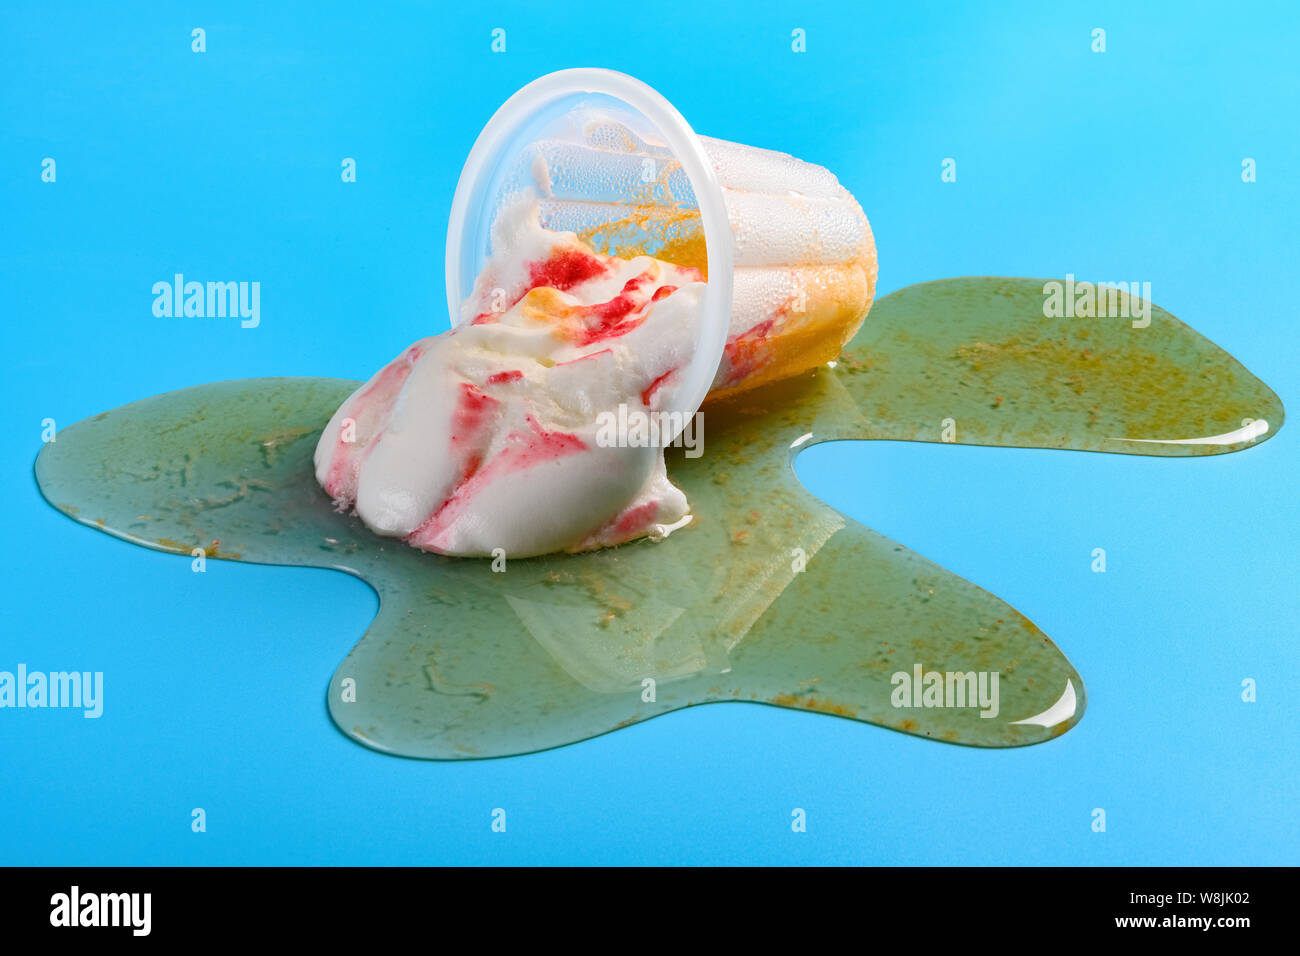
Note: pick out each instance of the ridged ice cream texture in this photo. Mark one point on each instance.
(487, 437)
(804, 253)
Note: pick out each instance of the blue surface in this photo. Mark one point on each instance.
(226, 166)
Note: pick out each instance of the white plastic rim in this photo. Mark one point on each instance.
(486, 156)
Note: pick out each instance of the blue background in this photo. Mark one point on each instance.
(226, 165)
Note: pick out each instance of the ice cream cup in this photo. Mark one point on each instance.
(788, 253)
(608, 271)
(553, 120)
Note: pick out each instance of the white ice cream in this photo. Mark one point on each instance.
(489, 436)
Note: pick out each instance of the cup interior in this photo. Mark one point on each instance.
(603, 156)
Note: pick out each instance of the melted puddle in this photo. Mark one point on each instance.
(769, 595)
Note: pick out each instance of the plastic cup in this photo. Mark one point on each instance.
(611, 160)
(558, 111)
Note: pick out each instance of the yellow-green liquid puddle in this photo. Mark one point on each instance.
(769, 596)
